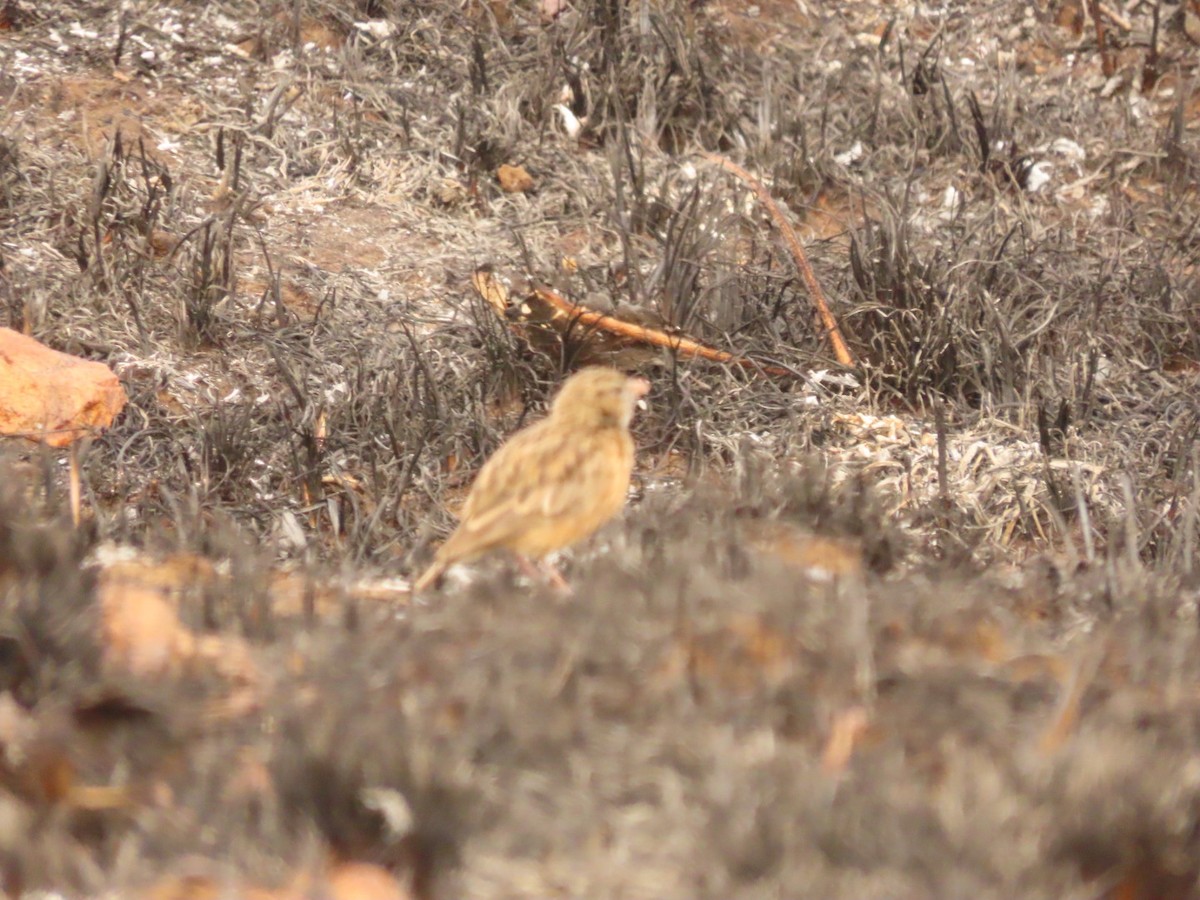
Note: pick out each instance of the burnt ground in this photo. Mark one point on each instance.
(926, 628)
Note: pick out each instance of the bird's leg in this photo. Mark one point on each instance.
(543, 570)
(528, 569)
(555, 578)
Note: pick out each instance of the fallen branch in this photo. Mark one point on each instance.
(840, 349)
(641, 334)
(565, 315)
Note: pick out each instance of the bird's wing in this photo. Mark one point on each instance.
(517, 466)
(530, 478)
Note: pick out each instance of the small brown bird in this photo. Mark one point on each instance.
(552, 483)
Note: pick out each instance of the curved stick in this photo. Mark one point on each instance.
(840, 350)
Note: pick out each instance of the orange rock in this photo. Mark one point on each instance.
(821, 558)
(141, 632)
(348, 881)
(205, 887)
(52, 396)
(364, 881)
(514, 179)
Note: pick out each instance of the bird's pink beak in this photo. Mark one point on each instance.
(637, 389)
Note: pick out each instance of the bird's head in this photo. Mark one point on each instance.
(597, 397)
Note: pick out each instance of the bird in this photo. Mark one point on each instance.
(554, 482)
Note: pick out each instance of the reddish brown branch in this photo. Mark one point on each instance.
(840, 349)
(684, 346)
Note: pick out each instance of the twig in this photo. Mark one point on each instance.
(840, 350)
(939, 417)
(1085, 519)
(848, 729)
(74, 484)
(1150, 69)
(1117, 18)
(1107, 65)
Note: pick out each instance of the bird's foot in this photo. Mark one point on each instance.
(544, 571)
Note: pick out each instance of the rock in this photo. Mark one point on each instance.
(141, 632)
(346, 881)
(52, 396)
(364, 881)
